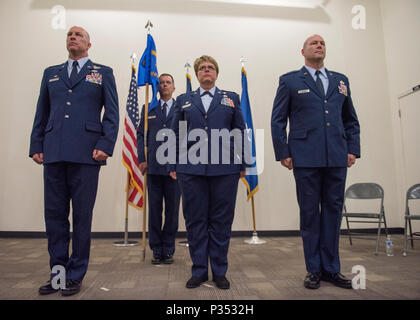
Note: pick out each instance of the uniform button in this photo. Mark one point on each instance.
(326, 101)
(66, 116)
(205, 117)
(326, 112)
(70, 91)
(206, 128)
(328, 124)
(68, 103)
(164, 125)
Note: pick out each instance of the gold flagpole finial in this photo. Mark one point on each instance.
(243, 60)
(187, 66)
(133, 58)
(148, 26)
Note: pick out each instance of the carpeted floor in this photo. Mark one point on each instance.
(272, 271)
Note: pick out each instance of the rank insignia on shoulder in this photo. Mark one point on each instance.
(342, 88)
(94, 78)
(227, 102)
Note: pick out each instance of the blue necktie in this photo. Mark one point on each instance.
(319, 83)
(73, 75)
(207, 92)
(164, 110)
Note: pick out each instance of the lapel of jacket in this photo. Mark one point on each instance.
(87, 68)
(307, 78)
(171, 112)
(216, 100)
(154, 113)
(332, 85)
(64, 74)
(158, 112)
(196, 101)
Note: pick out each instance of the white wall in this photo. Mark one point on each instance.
(269, 37)
(401, 21)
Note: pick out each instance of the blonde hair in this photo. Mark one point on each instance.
(202, 59)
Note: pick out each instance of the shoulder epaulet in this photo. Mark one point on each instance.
(98, 67)
(223, 92)
(335, 73)
(181, 96)
(57, 66)
(291, 72)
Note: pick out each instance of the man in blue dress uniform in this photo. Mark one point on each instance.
(324, 139)
(72, 142)
(160, 185)
(208, 181)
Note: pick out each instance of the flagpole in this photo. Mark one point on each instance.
(146, 125)
(126, 242)
(126, 207)
(254, 239)
(184, 243)
(253, 214)
(146, 114)
(146, 128)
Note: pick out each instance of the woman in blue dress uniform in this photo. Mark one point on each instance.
(208, 179)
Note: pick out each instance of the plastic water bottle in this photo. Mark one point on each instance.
(389, 246)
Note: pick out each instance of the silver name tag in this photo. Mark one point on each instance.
(304, 91)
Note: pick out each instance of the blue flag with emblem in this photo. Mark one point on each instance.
(189, 87)
(148, 72)
(251, 178)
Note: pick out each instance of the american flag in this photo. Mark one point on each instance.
(129, 152)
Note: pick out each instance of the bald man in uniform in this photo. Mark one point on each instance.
(72, 141)
(323, 141)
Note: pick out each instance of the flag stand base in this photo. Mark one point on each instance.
(255, 239)
(183, 243)
(126, 243)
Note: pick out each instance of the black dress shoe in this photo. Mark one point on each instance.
(195, 282)
(168, 259)
(47, 289)
(156, 259)
(221, 282)
(72, 287)
(337, 279)
(312, 280)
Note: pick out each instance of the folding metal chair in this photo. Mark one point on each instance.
(365, 191)
(413, 193)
